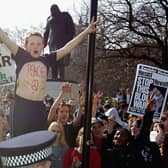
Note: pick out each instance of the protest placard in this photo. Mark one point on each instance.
(149, 80)
(7, 66)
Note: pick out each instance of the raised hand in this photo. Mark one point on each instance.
(92, 26)
(97, 96)
(67, 87)
(151, 102)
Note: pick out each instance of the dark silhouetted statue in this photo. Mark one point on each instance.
(59, 30)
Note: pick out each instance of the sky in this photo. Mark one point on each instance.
(27, 13)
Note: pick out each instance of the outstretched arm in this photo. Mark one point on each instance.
(62, 52)
(66, 88)
(8, 42)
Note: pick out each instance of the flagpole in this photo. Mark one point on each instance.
(89, 86)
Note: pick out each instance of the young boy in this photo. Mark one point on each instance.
(31, 72)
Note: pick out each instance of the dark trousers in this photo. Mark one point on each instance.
(28, 116)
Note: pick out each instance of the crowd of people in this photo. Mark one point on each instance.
(118, 139)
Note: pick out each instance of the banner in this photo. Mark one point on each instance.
(149, 80)
(7, 66)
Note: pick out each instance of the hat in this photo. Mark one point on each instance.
(112, 112)
(26, 149)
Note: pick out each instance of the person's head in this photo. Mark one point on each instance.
(34, 44)
(154, 131)
(97, 128)
(55, 10)
(63, 112)
(164, 146)
(121, 136)
(164, 122)
(155, 126)
(59, 129)
(106, 106)
(104, 119)
(30, 150)
(135, 127)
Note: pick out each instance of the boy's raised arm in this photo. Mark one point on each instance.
(8, 42)
(62, 52)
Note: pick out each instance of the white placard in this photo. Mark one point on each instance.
(7, 66)
(149, 79)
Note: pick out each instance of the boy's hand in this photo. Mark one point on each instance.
(92, 26)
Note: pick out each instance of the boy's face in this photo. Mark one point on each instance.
(34, 46)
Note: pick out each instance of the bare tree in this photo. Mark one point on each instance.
(19, 34)
(128, 25)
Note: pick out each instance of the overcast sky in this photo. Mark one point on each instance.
(26, 13)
